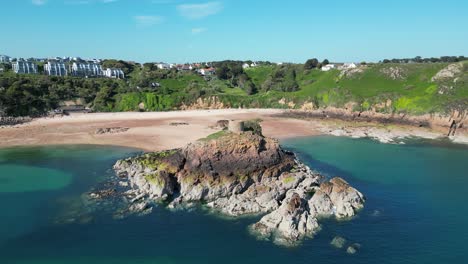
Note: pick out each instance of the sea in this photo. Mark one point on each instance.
(416, 209)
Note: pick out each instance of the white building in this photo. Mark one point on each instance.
(55, 68)
(245, 66)
(26, 67)
(347, 66)
(163, 66)
(114, 73)
(86, 69)
(4, 58)
(328, 67)
(207, 72)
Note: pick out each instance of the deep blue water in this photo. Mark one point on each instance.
(415, 210)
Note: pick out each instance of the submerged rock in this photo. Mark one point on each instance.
(338, 242)
(353, 249)
(243, 174)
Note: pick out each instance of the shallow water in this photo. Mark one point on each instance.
(415, 212)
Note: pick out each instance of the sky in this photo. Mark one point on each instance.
(204, 30)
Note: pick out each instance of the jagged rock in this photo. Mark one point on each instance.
(111, 130)
(338, 242)
(208, 170)
(395, 73)
(242, 174)
(353, 249)
(123, 184)
(289, 224)
(336, 197)
(179, 124)
(139, 207)
(222, 124)
(448, 72)
(101, 194)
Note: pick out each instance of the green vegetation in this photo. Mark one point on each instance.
(254, 126)
(383, 87)
(289, 179)
(155, 161)
(215, 136)
(155, 179)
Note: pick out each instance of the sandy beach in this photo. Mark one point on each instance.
(166, 130)
(148, 131)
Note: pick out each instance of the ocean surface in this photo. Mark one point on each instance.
(416, 210)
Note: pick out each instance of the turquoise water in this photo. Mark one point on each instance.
(415, 210)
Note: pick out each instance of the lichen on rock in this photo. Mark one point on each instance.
(244, 174)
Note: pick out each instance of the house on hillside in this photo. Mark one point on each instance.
(207, 72)
(86, 69)
(163, 66)
(328, 67)
(24, 67)
(245, 66)
(348, 66)
(186, 67)
(114, 73)
(55, 68)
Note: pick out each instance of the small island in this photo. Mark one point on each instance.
(239, 172)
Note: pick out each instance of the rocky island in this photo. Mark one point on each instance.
(238, 172)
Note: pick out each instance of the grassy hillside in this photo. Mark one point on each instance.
(415, 88)
(410, 87)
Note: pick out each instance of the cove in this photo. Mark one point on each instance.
(415, 211)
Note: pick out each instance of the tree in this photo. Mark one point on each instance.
(222, 72)
(250, 88)
(311, 64)
(149, 66)
(325, 62)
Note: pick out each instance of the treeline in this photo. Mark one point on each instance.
(418, 59)
(233, 72)
(34, 95)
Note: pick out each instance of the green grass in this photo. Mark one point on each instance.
(414, 93)
(181, 82)
(259, 74)
(216, 135)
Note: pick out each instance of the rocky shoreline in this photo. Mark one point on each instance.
(385, 128)
(240, 173)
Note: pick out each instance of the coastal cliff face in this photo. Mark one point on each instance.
(243, 174)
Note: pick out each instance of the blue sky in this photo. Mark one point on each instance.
(204, 30)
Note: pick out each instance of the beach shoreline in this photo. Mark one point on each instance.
(155, 131)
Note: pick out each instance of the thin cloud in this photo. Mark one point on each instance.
(39, 2)
(198, 11)
(147, 21)
(196, 31)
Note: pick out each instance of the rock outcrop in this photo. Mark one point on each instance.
(243, 174)
(449, 72)
(111, 130)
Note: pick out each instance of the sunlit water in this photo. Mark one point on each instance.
(415, 210)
